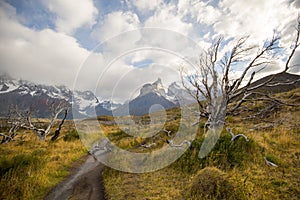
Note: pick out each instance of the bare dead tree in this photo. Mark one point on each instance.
(213, 86)
(57, 131)
(55, 109)
(16, 121)
(22, 119)
(219, 92)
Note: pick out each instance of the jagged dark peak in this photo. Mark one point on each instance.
(158, 81)
(155, 87)
(175, 85)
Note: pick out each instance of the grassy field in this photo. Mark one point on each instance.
(233, 170)
(29, 168)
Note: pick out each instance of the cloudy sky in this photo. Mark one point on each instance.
(114, 46)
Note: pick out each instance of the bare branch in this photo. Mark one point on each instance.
(6, 138)
(57, 131)
(269, 163)
(171, 144)
(233, 136)
(295, 46)
(256, 61)
(246, 95)
(214, 89)
(168, 132)
(148, 145)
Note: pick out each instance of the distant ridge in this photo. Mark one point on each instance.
(281, 82)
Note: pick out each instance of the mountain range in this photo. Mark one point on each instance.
(153, 94)
(27, 95)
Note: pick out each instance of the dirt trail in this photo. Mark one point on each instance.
(83, 183)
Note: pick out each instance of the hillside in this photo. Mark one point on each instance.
(289, 82)
(239, 164)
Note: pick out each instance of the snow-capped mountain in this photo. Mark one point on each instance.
(27, 95)
(109, 105)
(179, 95)
(155, 93)
(174, 93)
(156, 87)
(9, 85)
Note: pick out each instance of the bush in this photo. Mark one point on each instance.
(72, 135)
(212, 183)
(238, 153)
(225, 155)
(189, 161)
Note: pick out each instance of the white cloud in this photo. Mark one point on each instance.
(115, 23)
(72, 14)
(54, 57)
(146, 5)
(41, 56)
(168, 18)
(165, 50)
(200, 11)
(122, 81)
(255, 18)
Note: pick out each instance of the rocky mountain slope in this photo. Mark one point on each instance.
(28, 95)
(152, 94)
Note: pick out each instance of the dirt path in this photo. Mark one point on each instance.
(83, 183)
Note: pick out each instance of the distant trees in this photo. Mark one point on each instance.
(18, 119)
(217, 91)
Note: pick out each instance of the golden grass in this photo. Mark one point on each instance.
(48, 165)
(164, 184)
(279, 144)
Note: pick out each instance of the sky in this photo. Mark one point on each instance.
(113, 47)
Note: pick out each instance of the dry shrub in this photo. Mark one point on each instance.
(212, 183)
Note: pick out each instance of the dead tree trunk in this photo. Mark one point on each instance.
(214, 88)
(19, 119)
(57, 131)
